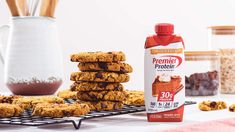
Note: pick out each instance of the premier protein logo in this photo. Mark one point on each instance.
(167, 62)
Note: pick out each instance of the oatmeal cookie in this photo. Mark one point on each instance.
(104, 105)
(98, 57)
(212, 105)
(135, 97)
(99, 77)
(103, 66)
(67, 94)
(60, 110)
(8, 99)
(9, 110)
(103, 95)
(30, 102)
(96, 86)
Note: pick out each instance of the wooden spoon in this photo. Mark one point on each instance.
(23, 6)
(48, 8)
(13, 7)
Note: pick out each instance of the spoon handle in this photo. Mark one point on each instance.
(22, 4)
(13, 7)
(48, 8)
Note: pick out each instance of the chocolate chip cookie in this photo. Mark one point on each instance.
(103, 96)
(135, 97)
(96, 86)
(98, 57)
(9, 110)
(212, 105)
(100, 77)
(60, 110)
(30, 102)
(103, 66)
(104, 105)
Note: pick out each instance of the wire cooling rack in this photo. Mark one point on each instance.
(27, 120)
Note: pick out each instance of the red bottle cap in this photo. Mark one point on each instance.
(164, 29)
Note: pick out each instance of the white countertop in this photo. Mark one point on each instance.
(136, 121)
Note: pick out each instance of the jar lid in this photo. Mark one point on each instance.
(201, 55)
(223, 30)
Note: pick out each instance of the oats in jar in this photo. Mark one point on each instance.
(227, 68)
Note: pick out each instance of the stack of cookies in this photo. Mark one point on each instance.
(99, 81)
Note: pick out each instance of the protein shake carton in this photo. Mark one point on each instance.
(164, 75)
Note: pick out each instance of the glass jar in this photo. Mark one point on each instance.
(201, 73)
(222, 38)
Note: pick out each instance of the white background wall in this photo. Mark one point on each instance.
(107, 25)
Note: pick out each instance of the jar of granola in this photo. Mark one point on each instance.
(202, 73)
(222, 38)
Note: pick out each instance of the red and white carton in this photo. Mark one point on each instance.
(164, 75)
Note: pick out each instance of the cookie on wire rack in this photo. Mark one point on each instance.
(10, 110)
(60, 110)
(135, 97)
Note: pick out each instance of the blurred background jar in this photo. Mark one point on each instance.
(202, 73)
(222, 39)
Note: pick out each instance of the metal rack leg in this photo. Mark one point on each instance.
(77, 125)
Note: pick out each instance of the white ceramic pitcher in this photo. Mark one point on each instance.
(32, 57)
